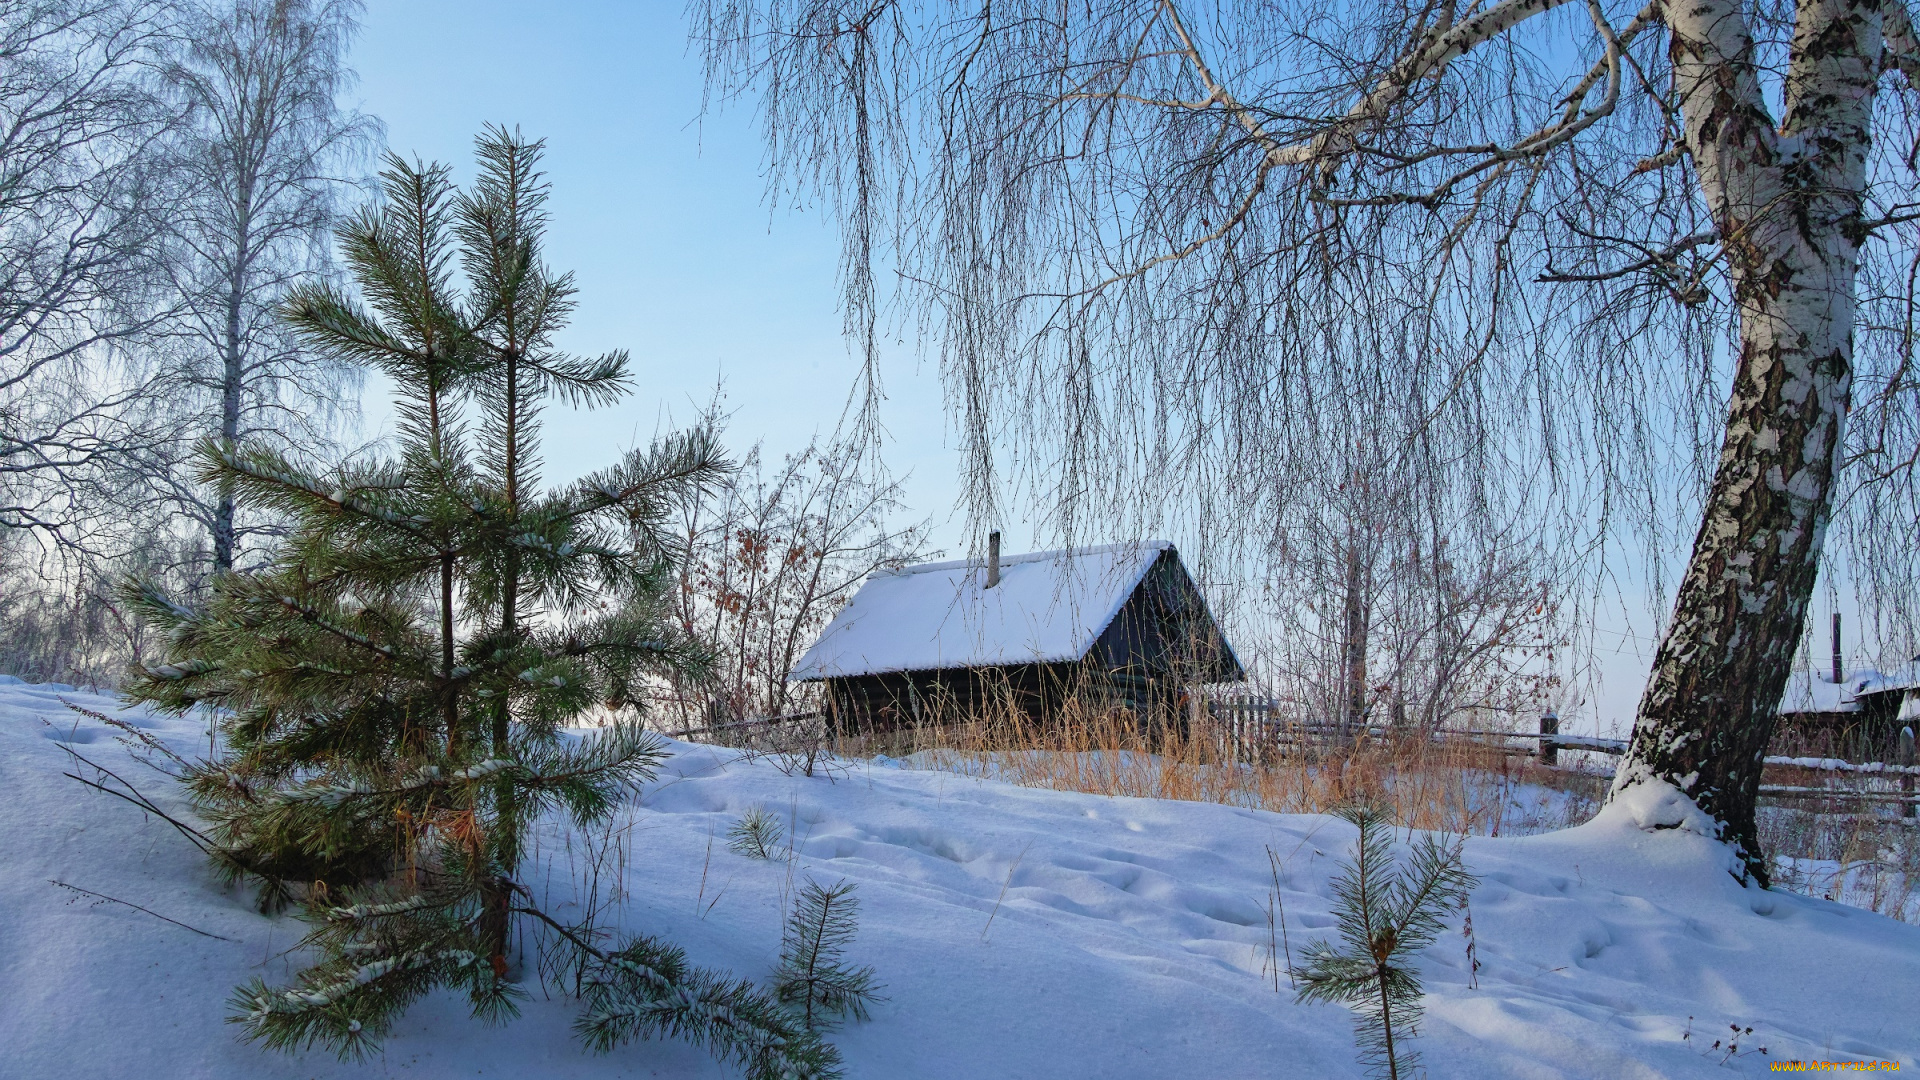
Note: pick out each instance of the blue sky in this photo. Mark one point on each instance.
(660, 212)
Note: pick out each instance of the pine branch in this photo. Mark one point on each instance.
(344, 1006)
(647, 989)
(315, 616)
(813, 976)
(587, 776)
(587, 381)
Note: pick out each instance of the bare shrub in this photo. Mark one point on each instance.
(775, 552)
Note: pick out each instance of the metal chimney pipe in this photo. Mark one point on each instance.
(993, 558)
(1837, 673)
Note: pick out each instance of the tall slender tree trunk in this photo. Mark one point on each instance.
(1354, 629)
(510, 584)
(449, 693)
(232, 378)
(496, 923)
(497, 894)
(1786, 201)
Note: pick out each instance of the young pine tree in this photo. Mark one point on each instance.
(394, 686)
(813, 979)
(1388, 913)
(756, 835)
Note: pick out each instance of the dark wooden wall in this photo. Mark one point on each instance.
(1164, 631)
(1867, 735)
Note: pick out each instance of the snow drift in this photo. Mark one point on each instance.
(1019, 933)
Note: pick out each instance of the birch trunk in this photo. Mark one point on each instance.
(1354, 630)
(232, 385)
(1786, 201)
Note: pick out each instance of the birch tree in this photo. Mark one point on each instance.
(263, 158)
(82, 201)
(1631, 243)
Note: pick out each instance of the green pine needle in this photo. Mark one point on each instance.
(1388, 912)
(813, 978)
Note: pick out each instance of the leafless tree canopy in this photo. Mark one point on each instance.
(81, 268)
(1392, 597)
(1135, 272)
(264, 158)
(1631, 265)
(167, 170)
(775, 552)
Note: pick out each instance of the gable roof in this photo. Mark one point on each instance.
(1050, 607)
(1810, 692)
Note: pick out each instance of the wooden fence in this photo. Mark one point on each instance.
(1255, 728)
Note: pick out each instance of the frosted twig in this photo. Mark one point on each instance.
(193, 835)
(1003, 889)
(103, 898)
(145, 739)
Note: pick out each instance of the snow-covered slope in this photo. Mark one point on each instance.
(1020, 933)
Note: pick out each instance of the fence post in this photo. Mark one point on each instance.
(1906, 778)
(1549, 727)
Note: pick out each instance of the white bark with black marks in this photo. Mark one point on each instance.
(1786, 200)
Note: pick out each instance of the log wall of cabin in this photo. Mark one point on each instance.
(1868, 734)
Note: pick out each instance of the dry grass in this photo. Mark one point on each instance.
(1855, 853)
(1456, 785)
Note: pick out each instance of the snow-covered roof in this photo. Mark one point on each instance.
(1813, 692)
(1050, 606)
(1809, 691)
(1904, 677)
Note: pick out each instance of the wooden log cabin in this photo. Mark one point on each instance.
(948, 642)
(1857, 715)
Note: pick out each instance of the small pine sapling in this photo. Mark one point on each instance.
(756, 835)
(1388, 912)
(813, 979)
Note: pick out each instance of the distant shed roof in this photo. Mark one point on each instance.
(1808, 692)
(1050, 607)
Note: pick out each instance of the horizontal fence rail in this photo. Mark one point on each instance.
(1251, 725)
(750, 722)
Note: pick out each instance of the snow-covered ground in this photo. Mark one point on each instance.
(1019, 932)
